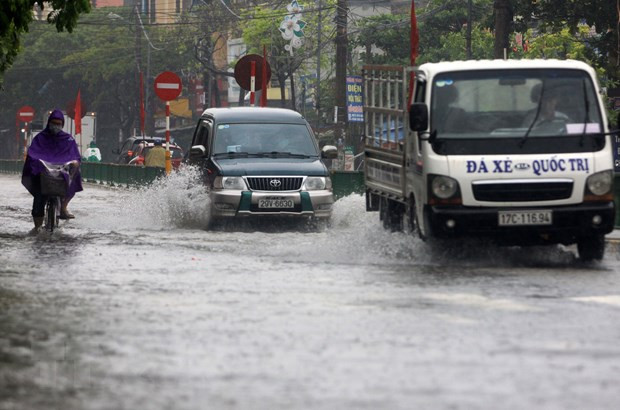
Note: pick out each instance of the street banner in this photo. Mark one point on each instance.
(78, 115)
(355, 101)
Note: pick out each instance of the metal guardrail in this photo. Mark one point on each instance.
(101, 173)
(347, 182)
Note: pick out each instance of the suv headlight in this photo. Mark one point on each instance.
(600, 183)
(317, 183)
(235, 183)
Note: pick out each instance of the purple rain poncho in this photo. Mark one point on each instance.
(58, 149)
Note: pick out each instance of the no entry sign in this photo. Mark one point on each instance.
(243, 71)
(25, 113)
(168, 86)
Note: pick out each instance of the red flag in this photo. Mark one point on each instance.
(263, 93)
(415, 36)
(141, 105)
(78, 114)
(415, 40)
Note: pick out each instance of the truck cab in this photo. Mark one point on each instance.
(517, 151)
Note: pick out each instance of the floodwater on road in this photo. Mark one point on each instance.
(134, 305)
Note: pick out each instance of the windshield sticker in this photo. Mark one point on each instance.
(443, 83)
(233, 148)
(538, 166)
(590, 128)
(223, 126)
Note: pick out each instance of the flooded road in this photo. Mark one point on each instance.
(133, 305)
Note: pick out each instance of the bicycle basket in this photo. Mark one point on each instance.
(53, 185)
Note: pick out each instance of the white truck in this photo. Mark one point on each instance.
(515, 151)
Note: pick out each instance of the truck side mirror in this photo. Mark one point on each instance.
(418, 117)
(197, 151)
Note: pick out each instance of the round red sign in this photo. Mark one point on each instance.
(168, 86)
(243, 72)
(25, 113)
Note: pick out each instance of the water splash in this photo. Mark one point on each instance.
(179, 200)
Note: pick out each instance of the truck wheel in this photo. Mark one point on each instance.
(391, 215)
(410, 219)
(591, 248)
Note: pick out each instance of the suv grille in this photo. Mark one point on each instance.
(274, 183)
(523, 191)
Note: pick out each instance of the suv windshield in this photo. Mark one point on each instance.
(264, 138)
(538, 108)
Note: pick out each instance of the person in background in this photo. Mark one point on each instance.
(156, 157)
(55, 146)
(92, 153)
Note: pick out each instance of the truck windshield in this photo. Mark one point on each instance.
(260, 138)
(535, 107)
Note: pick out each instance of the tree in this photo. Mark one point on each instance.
(264, 29)
(206, 30)
(99, 58)
(442, 28)
(554, 16)
(17, 15)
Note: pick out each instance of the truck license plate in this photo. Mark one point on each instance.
(276, 203)
(521, 218)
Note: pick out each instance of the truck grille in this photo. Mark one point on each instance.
(523, 191)
(274, 183)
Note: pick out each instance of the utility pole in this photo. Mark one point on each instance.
(317, 91)
(138, 35)
(341, 65)
(469, 23)
(503, 18)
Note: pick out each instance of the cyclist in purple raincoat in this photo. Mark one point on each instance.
(55, 146)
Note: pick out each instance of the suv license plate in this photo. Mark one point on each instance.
(522, 218)
(276, 203)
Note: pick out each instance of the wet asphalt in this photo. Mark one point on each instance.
(134, 305)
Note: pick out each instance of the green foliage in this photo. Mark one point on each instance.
(568, 17)
(386, 32)
(453, 46)
(100, 58)
(17, 15)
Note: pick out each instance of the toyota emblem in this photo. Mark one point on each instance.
(275, 183)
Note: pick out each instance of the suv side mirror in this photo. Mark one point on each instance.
(329, 152)
(418, 117)
(197, 151)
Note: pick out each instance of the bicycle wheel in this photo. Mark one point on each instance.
(50, 215)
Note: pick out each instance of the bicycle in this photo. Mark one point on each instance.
(55, 181)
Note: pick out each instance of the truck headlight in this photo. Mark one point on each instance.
(444, 187)
(235, 183)
(600, 183)
(317, 183)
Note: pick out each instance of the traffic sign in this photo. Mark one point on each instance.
(71, 109)
(25, 113)
(168, 86)
(243, 72)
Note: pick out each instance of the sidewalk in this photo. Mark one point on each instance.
(613, 236)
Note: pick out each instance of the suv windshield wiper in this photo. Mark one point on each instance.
(231, 154)
(284, 154)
